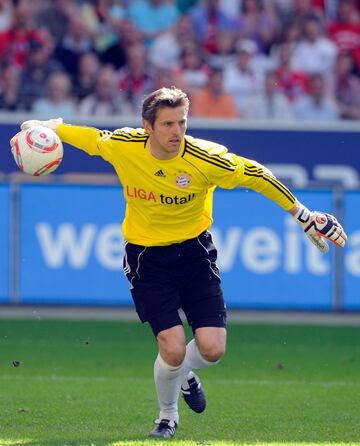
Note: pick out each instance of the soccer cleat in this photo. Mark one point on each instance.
(164, 429)
(194, 396)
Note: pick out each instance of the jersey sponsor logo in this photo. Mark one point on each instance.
(175, 199)
(135, 192)
(142, 194)
(160, 173)
(183, 181)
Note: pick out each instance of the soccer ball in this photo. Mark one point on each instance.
(37, 150)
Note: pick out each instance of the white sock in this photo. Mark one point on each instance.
(193, 360)
(168, 382)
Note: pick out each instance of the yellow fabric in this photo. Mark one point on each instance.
(169, 201)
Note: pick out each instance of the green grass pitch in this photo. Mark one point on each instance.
(90, 383)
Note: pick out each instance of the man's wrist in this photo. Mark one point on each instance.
(301, 214)
(53, 124)
(295, 209)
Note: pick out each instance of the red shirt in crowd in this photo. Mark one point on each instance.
(14, 45)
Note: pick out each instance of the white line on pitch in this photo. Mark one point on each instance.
(218, 381)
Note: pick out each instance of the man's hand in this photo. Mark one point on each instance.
(319, 226)
(52, 124)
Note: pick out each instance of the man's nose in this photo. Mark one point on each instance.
(176, 129)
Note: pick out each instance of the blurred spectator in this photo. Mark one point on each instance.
(57, 98)
(153, 17)
(212, 101)
(270, 103)
(346, 87)
(104, 20)
(316, 106)
(301, 9)
(40, 64)
(165, 51)
(258, 23)
(135, 80)
(115, 54)
(55, 16)
(315, 53)
(76, 41)
(15, 41)
(208, 19)
(291, 35)
(193, 70)
(104, 101)
(291, 83)
(129, 34)
(240, 78)
(345, 30)
(166, 78)
(85, 80)
(6, 13)
(224, 52)
(9, 88)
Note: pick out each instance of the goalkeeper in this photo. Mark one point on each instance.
(168, 180)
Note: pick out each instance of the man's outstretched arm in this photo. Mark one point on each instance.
(89, 139)
(318, 226)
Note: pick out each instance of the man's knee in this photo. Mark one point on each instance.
(172, 347)
(212, 352)
(211, 343)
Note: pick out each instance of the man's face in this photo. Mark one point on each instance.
(167, 132)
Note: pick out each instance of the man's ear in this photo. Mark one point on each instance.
(147, 126)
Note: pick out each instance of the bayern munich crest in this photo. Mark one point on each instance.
(183, 181)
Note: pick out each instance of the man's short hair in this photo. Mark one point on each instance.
(164, 97)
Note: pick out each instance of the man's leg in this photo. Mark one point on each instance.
(168, 370)
(203, 303)
(204, 351)
(168, 375)
(157, 300)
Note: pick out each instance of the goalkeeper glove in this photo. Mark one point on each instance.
(319, 226)
(52, 124)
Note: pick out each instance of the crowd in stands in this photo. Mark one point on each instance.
(249, 59)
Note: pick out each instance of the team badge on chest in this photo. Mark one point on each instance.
(183, 180)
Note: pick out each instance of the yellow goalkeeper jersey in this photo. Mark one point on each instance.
(169, 201)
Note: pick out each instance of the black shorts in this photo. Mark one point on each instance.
(184, 275)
